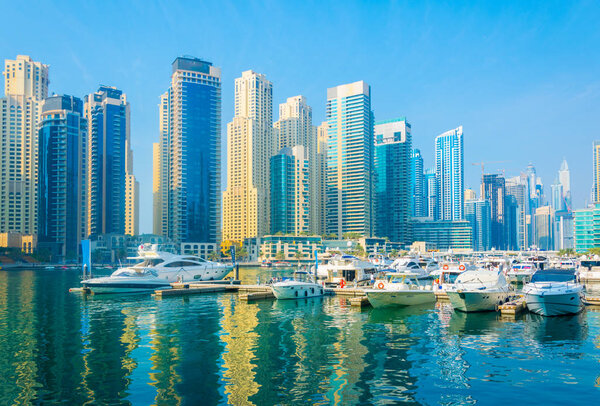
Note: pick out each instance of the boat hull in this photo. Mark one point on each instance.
(391, 298)
(102, 287)
(296, 290)
(561, 304)
(483, 301)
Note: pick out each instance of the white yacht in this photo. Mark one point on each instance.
(399, 289)
(521, 272)
(298, 287)
(421, 268)
(446, 275)
(589, 269)
(554, 292)
(158, 269)
(346, 267)
(380, 260)
(479, 290)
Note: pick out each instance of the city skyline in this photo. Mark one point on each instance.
(535, 93)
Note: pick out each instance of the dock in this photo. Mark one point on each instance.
(591, 300)
(360, 301)
(513, 307)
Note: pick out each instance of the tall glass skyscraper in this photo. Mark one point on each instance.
(188, 192)
(596, 186)
(478, 214)
(418, 186)
(516, 187)
(107, 113)
(62, 175)
(493, 189)
(431, 193)
(449, 173)
(392, 181)
(350, 159)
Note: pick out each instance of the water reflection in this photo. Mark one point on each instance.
(561, 329)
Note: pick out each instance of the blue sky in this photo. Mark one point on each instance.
(522, 77)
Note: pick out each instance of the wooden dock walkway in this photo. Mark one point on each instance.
(513, 307)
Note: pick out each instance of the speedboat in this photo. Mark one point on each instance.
(399, 289)
(298, 287)
(379, 260)
(157, 269)
(446, 275)
(282, 264)
(521, 272)
(554, 292)
(479, 291)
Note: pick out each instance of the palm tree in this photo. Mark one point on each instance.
(298, 255)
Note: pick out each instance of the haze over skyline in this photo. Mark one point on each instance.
(523, 82)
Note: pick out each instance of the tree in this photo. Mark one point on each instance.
(351, 236)
(97, 256)
(213, 256)
(280, 256)
(566, 251)
(394, 253)
(242, 253)
(593, 251)
(298, 255)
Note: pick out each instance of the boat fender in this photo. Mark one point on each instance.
(380, 285)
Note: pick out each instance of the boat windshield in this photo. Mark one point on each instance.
(149, 262)
(553, 276)
(138, 272)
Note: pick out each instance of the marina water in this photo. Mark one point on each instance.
(57, 346)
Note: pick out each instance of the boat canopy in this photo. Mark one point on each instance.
(481, 276)
(135, 272)
(554, 275)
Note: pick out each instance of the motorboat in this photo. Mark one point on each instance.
(478, 291)
(554, 292)
(379, 260)
(414, 266)
(589, 269)
(521, 272)
(301, 285)
(563, 263)
(157, 269)
(282, 264)
(399, 289)
(347, 268)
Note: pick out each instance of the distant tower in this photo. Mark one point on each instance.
(392, 183)
(478, 213)
(320, 201)
(417, 185)
(350, 159)
(250, 145)
(25, 88)
(431, 193)
(564, 178)
(449, 171)
(493, 189)
(596, 186)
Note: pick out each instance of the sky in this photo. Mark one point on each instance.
(521, 77)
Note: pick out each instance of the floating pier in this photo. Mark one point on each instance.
(345, 291)
(441, 296)
(591, 300)
(359, 301)
(513, 307)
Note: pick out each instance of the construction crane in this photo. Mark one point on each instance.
(482, 164)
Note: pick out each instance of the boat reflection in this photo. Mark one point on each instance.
(483, 323)
(558, 329)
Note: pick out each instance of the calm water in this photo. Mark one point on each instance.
(213, 349)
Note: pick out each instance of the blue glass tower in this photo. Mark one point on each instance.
(449, 173)
(61, 170)
(418, 186)
(282, 192)
(190, 153)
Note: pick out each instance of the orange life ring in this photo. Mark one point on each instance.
(380, 285)
(446, 267)
(342, 283)
(461, 267)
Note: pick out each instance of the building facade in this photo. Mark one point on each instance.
(596, 172)
(493, 190)
(350, 159)
(587, 228)
(544, 224)
(455, 235)
(250, 145)
(187, 161)
(107, 113)
(418, 186)
(25, 88)
(478, 214)
(449, 172)
(290, 191)
(62, 177)
(319, 203)
(517, 188)
(392, 180)
(431, 193)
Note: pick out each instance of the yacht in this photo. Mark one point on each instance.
(347, 268)
(421, 268)
(298, 287)
(521, 272)
(399, 289)
(589, 269)
(554, 292)
(380, 260)
(158, 269)
(479, 290)
(446, 275)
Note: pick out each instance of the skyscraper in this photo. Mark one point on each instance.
(449, 172)
(250, 145)
(557, 199)
(493, 190)
(350, 159)
(62, 177)
(431, 193)
(187, 201)
(107, 113)
(392, 181)
(418, 185)
(25, 88)
(293, 128)
(564, 178)
(478, 214)
(290, 193)
(596, 186)
(320, 201)
(517, 187)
